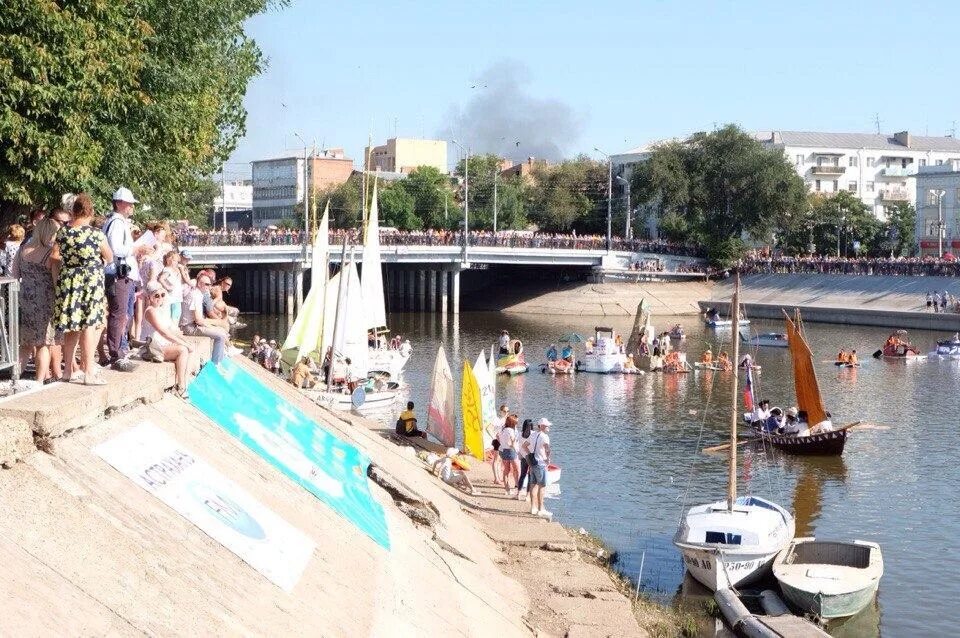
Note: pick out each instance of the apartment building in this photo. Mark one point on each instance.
(938, 208)
(233, 195)
(402, 155)
(278, 184)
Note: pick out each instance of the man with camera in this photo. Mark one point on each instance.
(537, 449)
(122, 275)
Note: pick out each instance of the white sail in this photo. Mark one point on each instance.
(373, 299)
(441, 417)
(488, 402)
(352, 341)
(321, 249)
(305, 337)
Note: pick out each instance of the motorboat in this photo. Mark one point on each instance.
(712, 319)
(388, 360)
(676, 333)
(829, 579)
(767, 340)
(733, 542)
(604, 353)
(514, 362)
(948, 348)
(898, 346)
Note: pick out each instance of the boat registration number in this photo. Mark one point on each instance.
(693, 561)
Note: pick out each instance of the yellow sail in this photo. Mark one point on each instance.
(472, 420)
(804, 374)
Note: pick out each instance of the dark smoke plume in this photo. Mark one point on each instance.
(502, 117)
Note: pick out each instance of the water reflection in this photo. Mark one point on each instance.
(628, 449)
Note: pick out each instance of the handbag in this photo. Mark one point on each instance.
(532, 456)
(155, 351)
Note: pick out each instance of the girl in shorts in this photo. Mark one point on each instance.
(508, 453)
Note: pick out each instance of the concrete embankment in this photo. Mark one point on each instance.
(86, 551)
(867, 300)
(611, 299)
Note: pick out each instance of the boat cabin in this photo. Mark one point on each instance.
(605, 342)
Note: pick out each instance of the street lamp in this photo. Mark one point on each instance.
(466, 197)
(306, 193)
(609, 195)
(628, 231)
(940, 194)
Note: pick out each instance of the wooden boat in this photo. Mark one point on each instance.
(818, 440)
(827, 578)
(734, 541)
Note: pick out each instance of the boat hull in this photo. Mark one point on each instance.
(721, 569)
(826, 606)
(826, 444)
(344, 402)
(724, 323)
(390, 361)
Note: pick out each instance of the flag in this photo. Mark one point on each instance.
(748, 390)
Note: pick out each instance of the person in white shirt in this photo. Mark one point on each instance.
(495, 461)
(761, 412)
(163, 339)
(538, 449)
(405, 348)
(121, 277)
(504, 342)
(194, 323)
(508, 452)
(443, 467)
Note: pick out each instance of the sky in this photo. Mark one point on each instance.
(561, 78)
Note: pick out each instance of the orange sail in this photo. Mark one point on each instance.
(804, 374)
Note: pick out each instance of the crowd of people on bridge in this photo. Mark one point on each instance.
(97, 291)
(274, 236)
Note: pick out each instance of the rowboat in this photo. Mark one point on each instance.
(828, 578)
(733, 542)
(947, 348)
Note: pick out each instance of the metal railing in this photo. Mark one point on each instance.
(10, 326)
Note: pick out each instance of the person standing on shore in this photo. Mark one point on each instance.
(508, 452)
(525, 433)
(122, 274)
(537, 449)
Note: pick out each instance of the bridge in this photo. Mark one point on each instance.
(270, 278)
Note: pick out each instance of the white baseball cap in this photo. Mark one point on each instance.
(123, 194)
(543, 422)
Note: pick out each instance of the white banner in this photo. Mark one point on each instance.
(203, 496)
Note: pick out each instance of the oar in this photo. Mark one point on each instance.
(725, 446)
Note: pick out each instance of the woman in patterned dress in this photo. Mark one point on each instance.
(80, 310)
(33, 266)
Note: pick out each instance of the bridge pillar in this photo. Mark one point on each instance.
(291, 293)
(432, 290)
(411, 289)
(298, 286)
(456, 290)
(264, 277)
(421, 290)
(274, 296)
(246, 281)
(444, 275)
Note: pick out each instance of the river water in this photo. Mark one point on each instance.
(627, 445)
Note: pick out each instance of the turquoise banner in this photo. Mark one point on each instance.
(330, 469)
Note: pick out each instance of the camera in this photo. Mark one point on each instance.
(123, 270)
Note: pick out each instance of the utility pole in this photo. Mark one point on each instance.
(496, 172)
(627, 231)
(940, 194)
(609, 198)
(306, 194)
(466, 198)
(223, 197)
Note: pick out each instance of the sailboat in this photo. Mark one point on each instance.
(734, 541)
(816, 440)
(441, 414)
(381, 358)
(471, 405)
(305, 337)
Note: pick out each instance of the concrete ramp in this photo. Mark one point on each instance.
(87, 551)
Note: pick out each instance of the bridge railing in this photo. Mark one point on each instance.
(439, 238)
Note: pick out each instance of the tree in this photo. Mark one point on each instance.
(345, 202)
(147, 93)
(723, 185)
(901, 229)
(571, 195)
(433, 197)
(832, 224)
(398, 207)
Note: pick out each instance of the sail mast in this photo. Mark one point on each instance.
(336, 317)
(735, 316)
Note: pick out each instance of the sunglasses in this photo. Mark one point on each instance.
(159, 295)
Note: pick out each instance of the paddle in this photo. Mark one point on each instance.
(878, 354)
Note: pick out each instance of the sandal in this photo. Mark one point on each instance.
(182, 393)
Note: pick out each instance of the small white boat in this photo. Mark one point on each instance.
(767, 340)
(603, 354)
(553, 474)
(829, 579)
(360, 400)
(719, 322)
(387, 360)
(947, 349)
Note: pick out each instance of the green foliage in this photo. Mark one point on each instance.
(901, 229)
(719, 187)
(345, 202)
(146, 93)
(433, 197)
(398, 207)
(571, 195)
(832, 223)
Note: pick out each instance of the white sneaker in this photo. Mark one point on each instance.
(545, 514)
(534, 511)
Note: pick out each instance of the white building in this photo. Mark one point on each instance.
(878, 169)
(938, 208)
(278, 186)
(233, 195)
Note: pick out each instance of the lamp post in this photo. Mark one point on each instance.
(466, 197)
(940, 194)
(609, 196)
(496, 172)
(627, 231)
(306, 193)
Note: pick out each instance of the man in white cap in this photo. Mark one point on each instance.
(122, 276)
(537, 447)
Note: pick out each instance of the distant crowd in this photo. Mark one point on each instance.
(506, 239)
(904, 266)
